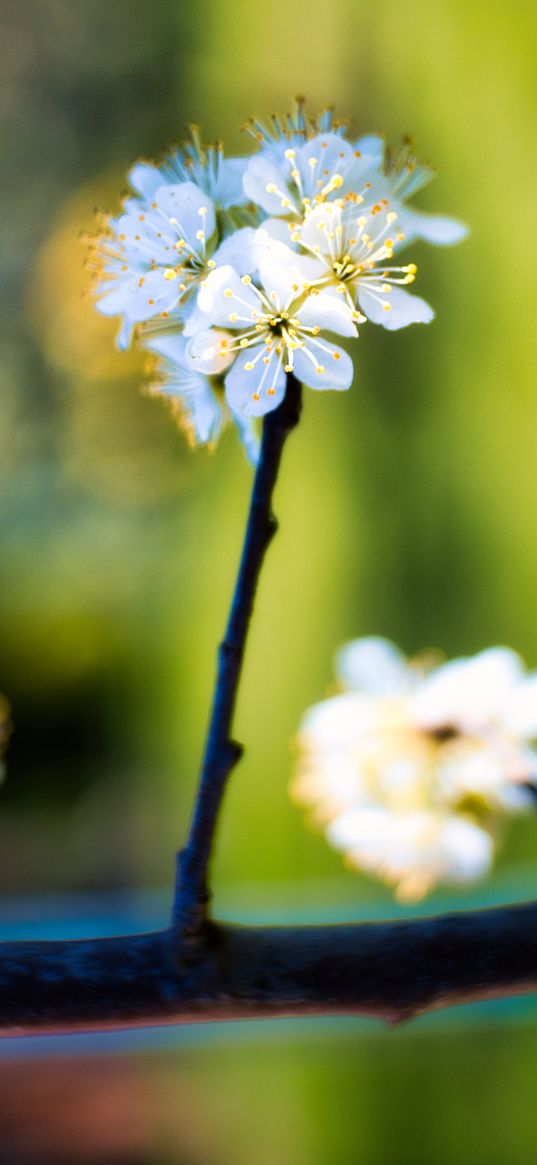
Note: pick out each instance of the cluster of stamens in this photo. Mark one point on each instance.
(277, 331)
(322, 183)
(193, 263)
(352, 249)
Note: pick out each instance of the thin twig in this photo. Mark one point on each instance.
(392, 970)
(222, 752)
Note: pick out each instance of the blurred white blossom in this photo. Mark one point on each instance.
(410, 767)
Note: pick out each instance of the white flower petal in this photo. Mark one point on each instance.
(466, 851)
(415, 850)
(374, 666)
(210, 351)
(337, 721)
(195, 320)
(405, 308)
(520, 713)
(468, 693)
(333, 368)
(328, 311)
(249, 392)
(280, 230)
(229, 185)
(171, 345)
(433, 228)
(238, 251)
(249, 436)
(145, 178)
(139, 303)
(202, 410)
(262, 173)
(365, 166)
(283, 273)
(190, 209)
(314, 233)
(371, 146)
(218, 305)
(332, 156)
(124, 336)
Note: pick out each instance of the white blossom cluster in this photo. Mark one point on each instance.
(409, 768)
(232, 271)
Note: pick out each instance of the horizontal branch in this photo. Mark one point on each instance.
(392, 970)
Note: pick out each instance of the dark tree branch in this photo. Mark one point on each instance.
(392, 970)
(202, 970)
(222, 753)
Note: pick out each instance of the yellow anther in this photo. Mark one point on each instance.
(271, 188)
(228, 293)
(246, 279)
(211, 264)
(411, 268)
(203, 211)
(386, 307)
(320, 369)
(313, 162)
(288, 367)
(170, 273)
(248, 367)
(256, 396)
(233, 317)
(243, 343)
(357, 153)
(391, 217)
(336, 355)
(141, 218)
(290, 154)
(201, 236)
(173, 221)
(271, 391)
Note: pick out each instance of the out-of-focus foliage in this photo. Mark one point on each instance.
(407, 504)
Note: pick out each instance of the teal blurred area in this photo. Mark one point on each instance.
(407, 509)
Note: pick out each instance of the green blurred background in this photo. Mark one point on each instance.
(407, 509)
